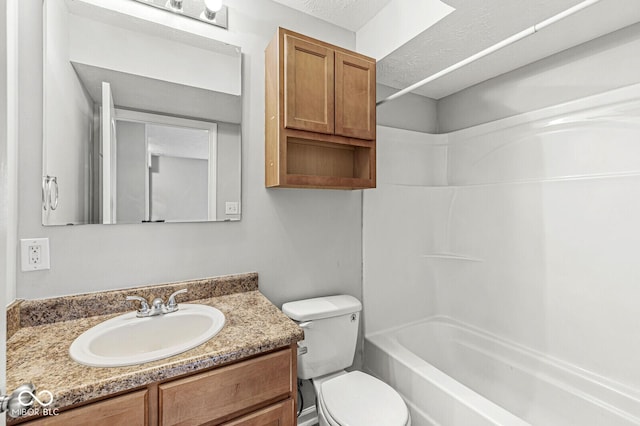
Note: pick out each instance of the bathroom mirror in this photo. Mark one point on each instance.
(142, 123)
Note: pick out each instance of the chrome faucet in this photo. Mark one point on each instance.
(144, 306)
(172, 305)
(158, 307)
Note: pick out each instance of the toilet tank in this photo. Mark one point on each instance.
(330, 333)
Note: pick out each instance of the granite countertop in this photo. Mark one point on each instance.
(40, 353)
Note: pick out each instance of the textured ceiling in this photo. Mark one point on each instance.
(478, 24)
(349, 14)
(472, 27)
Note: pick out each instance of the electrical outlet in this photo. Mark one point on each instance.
(34, 254)
(231, 207)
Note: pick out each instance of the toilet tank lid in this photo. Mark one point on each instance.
(321, 307)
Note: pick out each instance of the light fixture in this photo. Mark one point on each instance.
(175, 4)
(210, 11)
(211, 7)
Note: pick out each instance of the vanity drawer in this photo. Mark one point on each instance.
(222, 394)
(126, 410)
(280, 414)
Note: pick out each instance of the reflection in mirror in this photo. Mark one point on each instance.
(166, 170)
(132, 134)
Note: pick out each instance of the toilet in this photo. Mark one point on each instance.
(343, 398)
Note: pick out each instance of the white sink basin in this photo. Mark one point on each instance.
(128, 340)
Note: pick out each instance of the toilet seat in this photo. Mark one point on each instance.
(358, 399)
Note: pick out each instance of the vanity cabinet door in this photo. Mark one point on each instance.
(308, 85)
(281, 414)
(126, 410)
(355, 100)
(228, 392)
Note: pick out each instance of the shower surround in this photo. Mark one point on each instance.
(524, 229)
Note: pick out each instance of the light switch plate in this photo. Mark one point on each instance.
(34, 254)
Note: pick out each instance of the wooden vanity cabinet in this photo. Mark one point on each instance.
(256, 392)
(320, 115)
(126, 410)
(280, 414)
(222, 394)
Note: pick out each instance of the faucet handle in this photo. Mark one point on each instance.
(144, 305)
(172, 305)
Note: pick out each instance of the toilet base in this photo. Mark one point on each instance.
(320, 408)
(322, 419)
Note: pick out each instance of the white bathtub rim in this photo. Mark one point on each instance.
(482, 406)
(611, 395)
(610, 384)
(568, 388)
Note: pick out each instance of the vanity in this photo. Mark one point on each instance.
(245, 375)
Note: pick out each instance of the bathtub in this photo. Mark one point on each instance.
(453, 374)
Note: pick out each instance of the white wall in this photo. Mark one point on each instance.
(530, 235)
(4, 198)
(409, 112)
(397, 220)
(4, 163)
(602, 64)
(8, 147)
(179, 189)
(408, 18)
(532, 232)
(547, 203)
(101, 45)
(131, 163)
(303, 243)
(229, 158)
(8, 171)
(67, 124)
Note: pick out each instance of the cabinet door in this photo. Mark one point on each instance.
(221, 394)
(308, 86)
(127, 410)
(281, 414)
(355, 100)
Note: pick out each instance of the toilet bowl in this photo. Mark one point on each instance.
(330, 327)
(358, 399)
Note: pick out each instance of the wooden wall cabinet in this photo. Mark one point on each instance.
(256, 392)
(320, 115)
